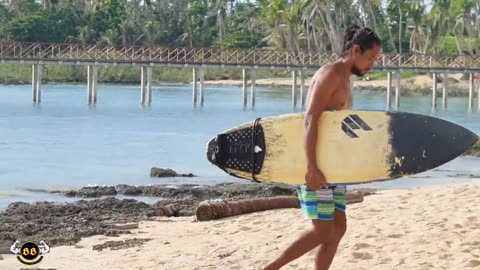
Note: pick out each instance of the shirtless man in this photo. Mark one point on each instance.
(325, 204)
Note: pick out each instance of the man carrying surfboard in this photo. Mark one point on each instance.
(325, 204)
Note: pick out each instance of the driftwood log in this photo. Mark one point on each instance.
(170, 210)
(222, 209)
(355, 196)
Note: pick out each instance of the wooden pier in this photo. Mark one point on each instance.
(247, 60)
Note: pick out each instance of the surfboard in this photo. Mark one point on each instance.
(353, 147)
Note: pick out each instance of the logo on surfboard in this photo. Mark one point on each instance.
(353, 122)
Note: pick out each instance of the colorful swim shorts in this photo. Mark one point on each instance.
(321, 204)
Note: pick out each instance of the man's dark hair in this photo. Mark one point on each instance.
(363, 37)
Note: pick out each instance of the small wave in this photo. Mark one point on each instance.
(36, 190)
(11, 194)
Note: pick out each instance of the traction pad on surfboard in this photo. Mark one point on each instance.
(235, 149)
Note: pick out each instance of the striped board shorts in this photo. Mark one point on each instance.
(321, 204)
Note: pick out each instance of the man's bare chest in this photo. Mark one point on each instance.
(341, 98)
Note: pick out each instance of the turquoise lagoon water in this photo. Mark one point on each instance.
(64, 143)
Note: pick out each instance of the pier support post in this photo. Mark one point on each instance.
(302, 87)
(143, 86)
(194, 87)
(244, 88)
(397, 91)
(434, 92)
(202, 86)
(34, 83)
(389, 89)
(37, 83)
(149, 86)
(478, 97)
(470, 92)
(445, 91)
(252, 87)
(146, 85)
(92, 84)
(294, 88)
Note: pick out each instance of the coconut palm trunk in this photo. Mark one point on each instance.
(223, 209)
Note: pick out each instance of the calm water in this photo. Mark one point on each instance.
(64, 143)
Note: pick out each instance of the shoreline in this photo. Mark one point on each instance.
(148, 192)
(139, 202)
(418, 84)
(380, 231)
(97, 210)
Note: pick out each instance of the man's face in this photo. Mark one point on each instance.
(363, 62)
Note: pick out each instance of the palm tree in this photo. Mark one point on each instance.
(292, 28)
(150, 33)
(438, 24)
(464, 16)
(415, 10)
(218, 9)
(110, 37)
(272, 18)
(333, 16)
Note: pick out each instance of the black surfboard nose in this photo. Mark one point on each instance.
(421, 143)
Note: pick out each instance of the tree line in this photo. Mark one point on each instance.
(405, 26)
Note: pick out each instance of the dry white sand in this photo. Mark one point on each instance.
(407, 84)
(430, 228)
(269, 82)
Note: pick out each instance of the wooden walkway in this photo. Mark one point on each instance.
(94, 56)
(46, 53)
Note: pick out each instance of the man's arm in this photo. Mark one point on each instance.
(321, 91)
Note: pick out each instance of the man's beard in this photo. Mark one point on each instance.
(356, 71)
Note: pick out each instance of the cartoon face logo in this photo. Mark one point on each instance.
(30, 253)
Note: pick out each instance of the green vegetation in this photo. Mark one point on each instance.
(20, 74)
(445, 27)
(383, 75)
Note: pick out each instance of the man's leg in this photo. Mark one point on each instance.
(319, 207)
(328, 250)
(320, 233)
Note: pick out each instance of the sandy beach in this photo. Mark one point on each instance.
(428, 228)
(420, 84)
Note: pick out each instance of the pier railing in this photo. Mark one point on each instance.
(199, 59)
(256, 58)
